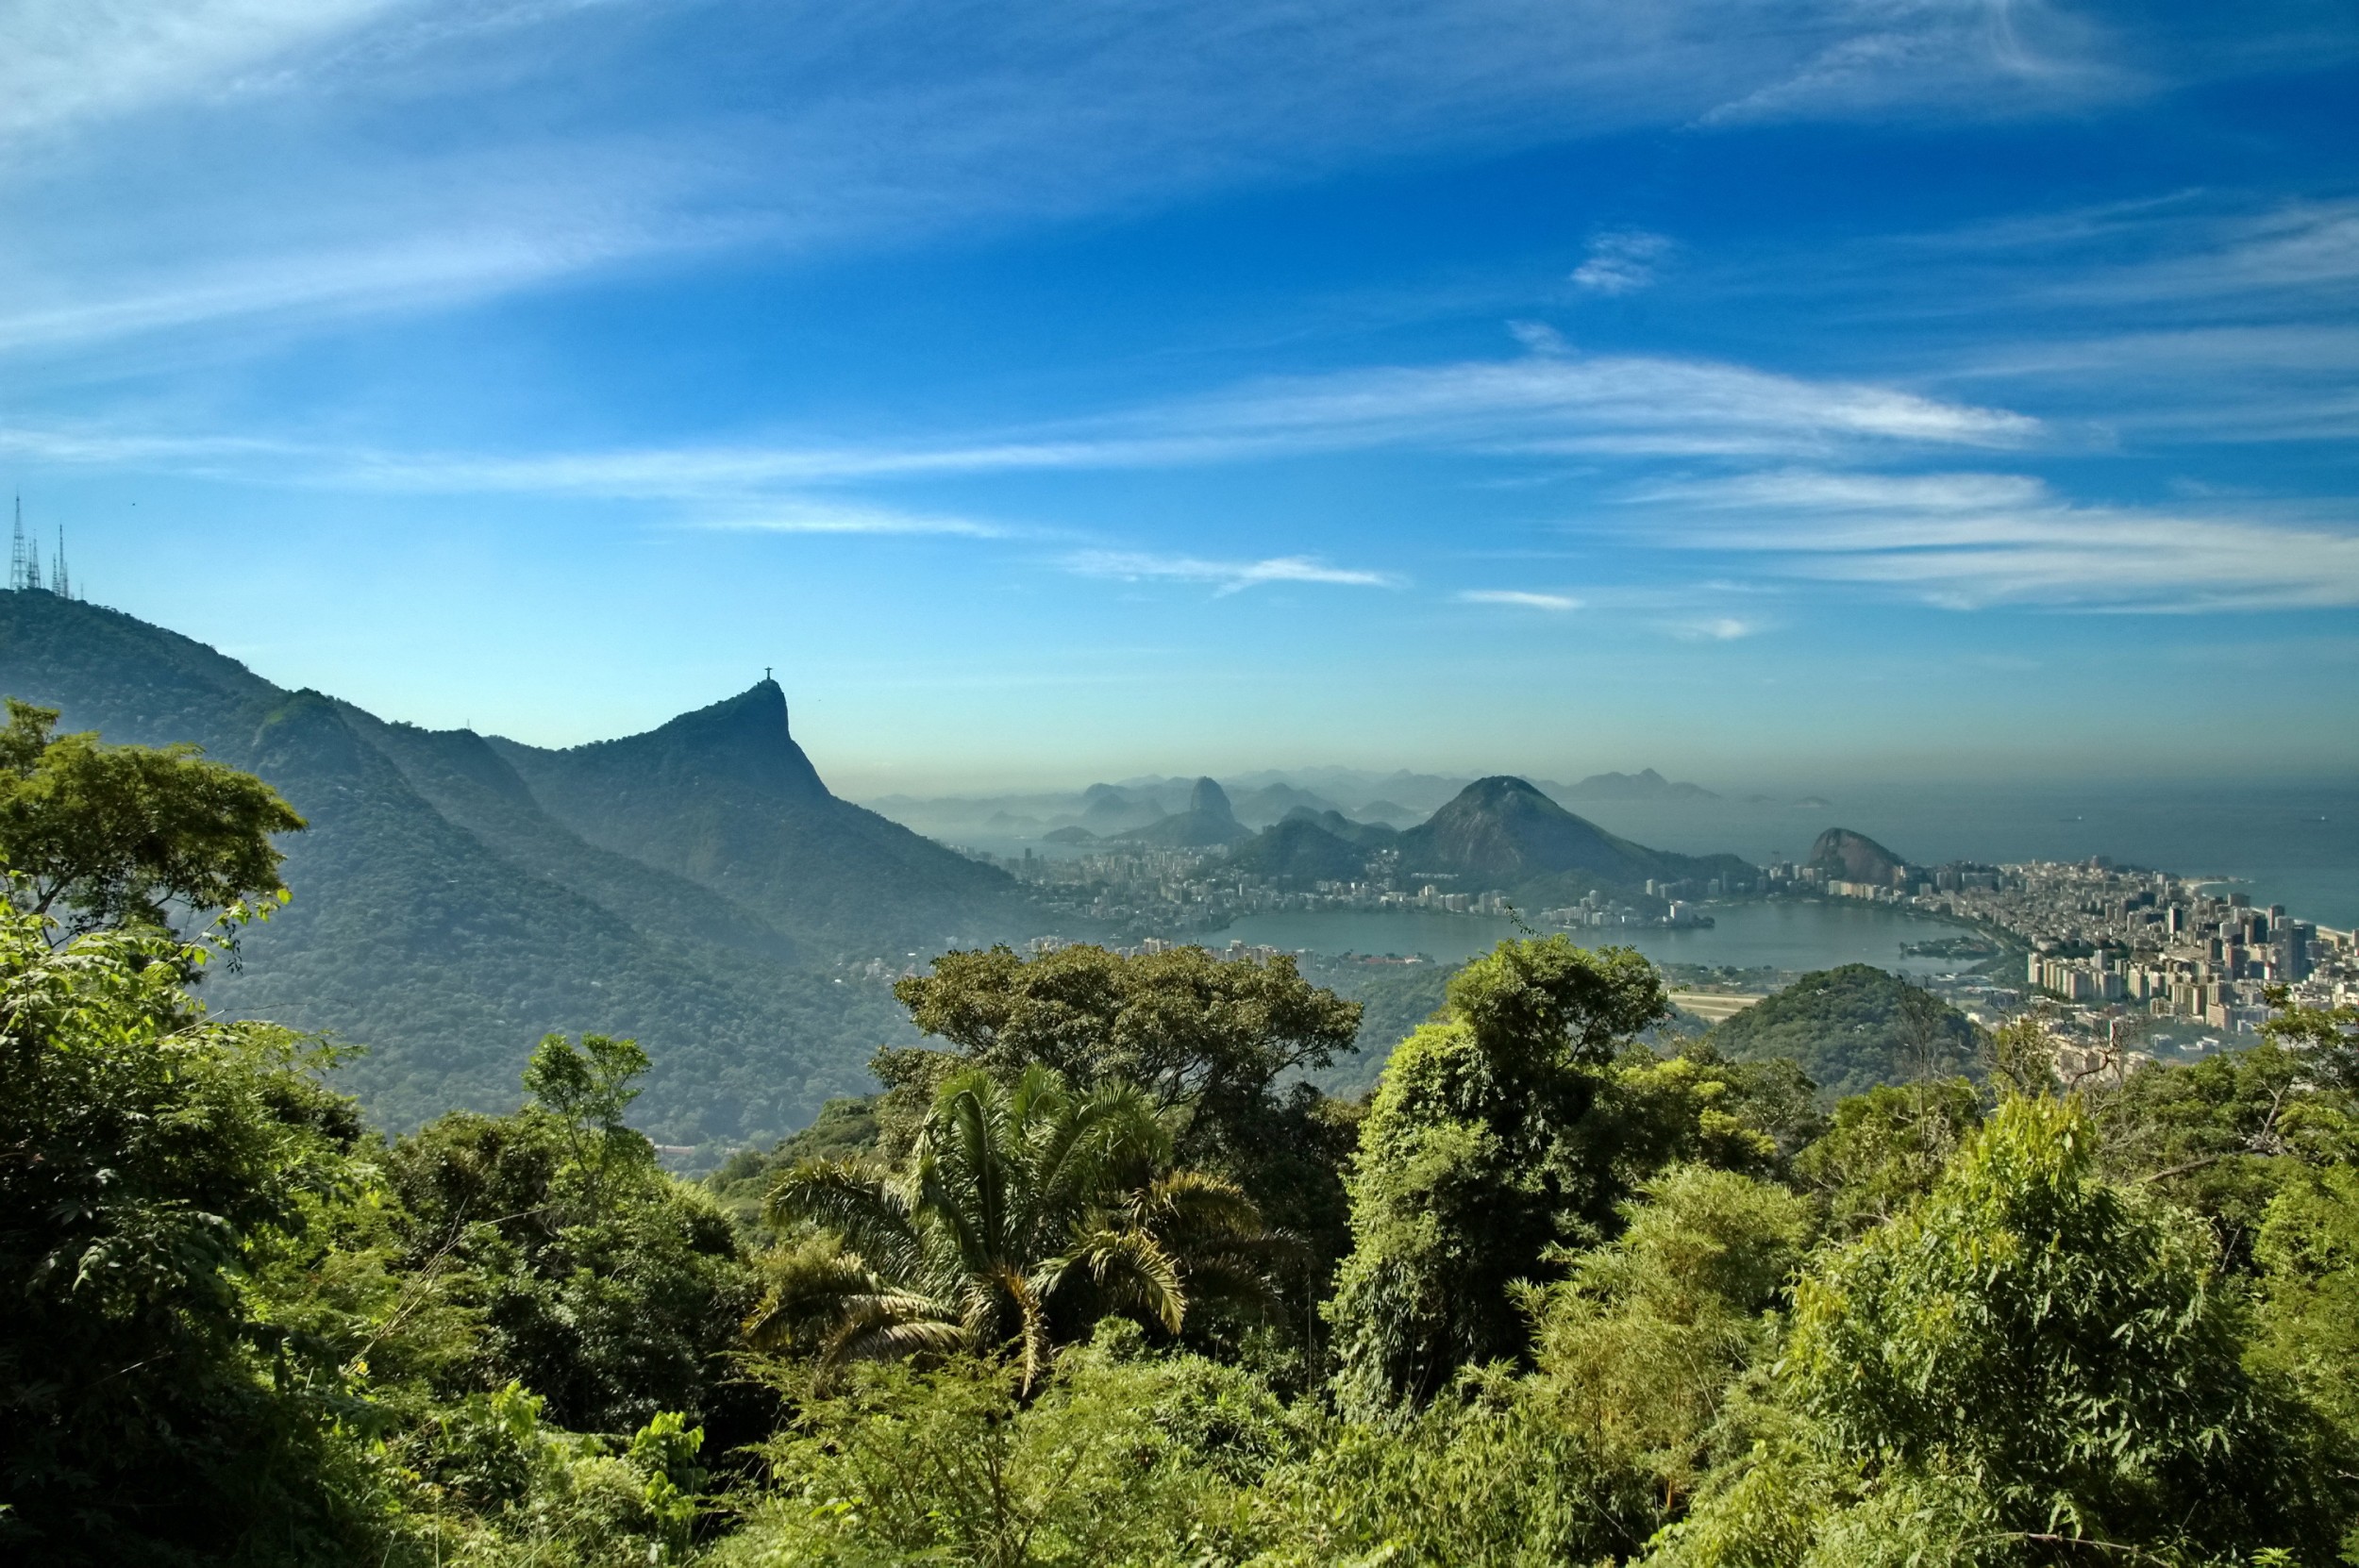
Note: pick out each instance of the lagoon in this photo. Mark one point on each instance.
(1782, 934)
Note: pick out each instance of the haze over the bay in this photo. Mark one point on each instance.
(1802, 393)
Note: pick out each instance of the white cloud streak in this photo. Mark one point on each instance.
(1621, 263)
(818, 517)
(1905, 58)
(2299, 247)
(1520, 598)
(1226, 577)
(1636, 405)
(279, 148)
(1714, 629)
(1538, 337)
(1545, 404)
(69, 61)
(1966, 541)
(451, 268)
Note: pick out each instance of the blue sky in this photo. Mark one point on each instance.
(1767, 391)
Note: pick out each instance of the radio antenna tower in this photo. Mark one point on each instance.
(23, 559)
(59, 583)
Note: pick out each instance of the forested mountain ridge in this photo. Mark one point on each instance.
(1507, 833)
(445, 916)
(725, 798)
(474, 786)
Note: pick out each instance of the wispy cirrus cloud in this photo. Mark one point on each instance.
(1225, 576)
(2193, 253)
(1714, 629)
(2204, 317)
(449, 267)
(1520, 598)
(830, 517)
(1543, 403)
(1621, 263)
(1538, 337)
(1966, 541)
(1904, 57)
(1628, 405)
(101, 446)
(285, 145)
(70, 61)
(1634, 403)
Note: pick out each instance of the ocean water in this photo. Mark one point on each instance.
(1782, 935)
(2291, 844)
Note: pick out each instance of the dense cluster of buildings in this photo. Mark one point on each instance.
(2110, 942)
(1190, 890)
(1146, 888)
(1596, 908)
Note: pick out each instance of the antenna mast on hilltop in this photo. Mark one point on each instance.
(23, 559)
(59, 583)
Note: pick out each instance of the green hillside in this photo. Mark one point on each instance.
(1853, 1028)
(1853, 856)
(1367, 835)
(1300, 852)
(724, 797)
(1504, 833)
(446, 915)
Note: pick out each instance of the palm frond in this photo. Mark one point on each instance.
(1082, 1155)
(1197, 1203)
(1133, 1128)
(885, 1337)
(967, 1144)
(1031, 1326)
(1017, 1194)
(1241, 1280)
(1130, 1266)
(852, 1200)
(808, 1290)
(1039, 1095)
(1215, 1231)
(949, 1217)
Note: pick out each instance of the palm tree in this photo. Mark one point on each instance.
(1026, 1212)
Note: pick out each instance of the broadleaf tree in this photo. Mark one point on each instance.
(105, 835)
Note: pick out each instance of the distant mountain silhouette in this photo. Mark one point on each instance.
(1853, 856)
(1504, 833)
(458, 896)
(1108, 808)
(1419, 792)
(1367, 835)
(1207, 822)
(1647, 784)
(1275, 801)
(1299, 850)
